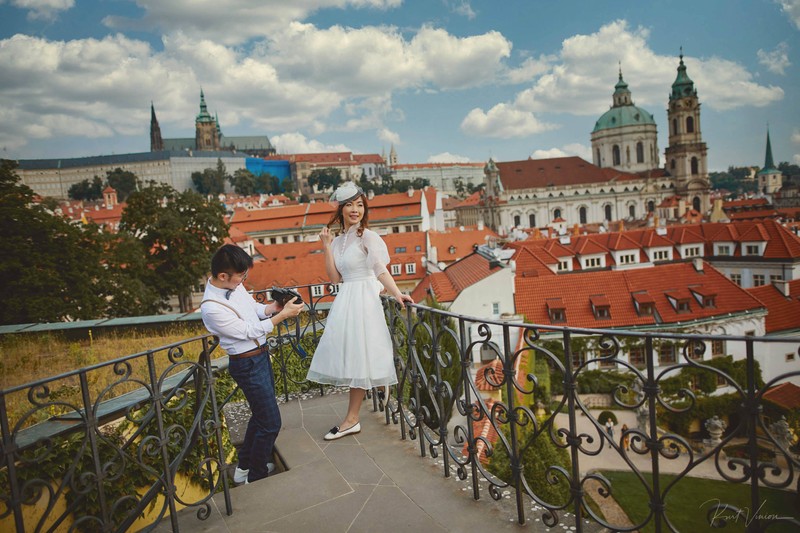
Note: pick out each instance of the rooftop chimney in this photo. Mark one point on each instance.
(480, 225)
(783, 286)
(698, 263)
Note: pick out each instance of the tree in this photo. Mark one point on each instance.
(180, 231)
(735, 180)
(128, 282)
(243, 182)
(325, 178)
(789, 169)
(460, 188)
(50, 267)
(268, 184)
(287, 185)
(122, 181)
(86, 190)
(212, 180)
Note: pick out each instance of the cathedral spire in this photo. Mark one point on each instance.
(203, 116)
(622, 95)
(156, 142)
(769, 163)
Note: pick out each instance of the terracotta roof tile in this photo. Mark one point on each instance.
(559, 171)
(462, 241)
(786, 395)
(534, 295)
(782, 313)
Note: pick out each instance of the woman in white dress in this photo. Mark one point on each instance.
(355, 349)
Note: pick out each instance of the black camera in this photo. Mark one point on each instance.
(282, 296)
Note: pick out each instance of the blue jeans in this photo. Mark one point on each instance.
(254, 376)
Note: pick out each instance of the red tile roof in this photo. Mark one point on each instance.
(559, 172)
(413, 166)
(462, 240)
(783, 313)
(494, 371)
(619, 287)
(483, 428)
(448, 284)
(786, 395)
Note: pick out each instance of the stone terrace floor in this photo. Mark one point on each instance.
(373, 481)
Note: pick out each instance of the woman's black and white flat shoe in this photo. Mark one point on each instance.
(336, 433)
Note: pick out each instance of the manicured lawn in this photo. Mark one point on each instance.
(690, 500)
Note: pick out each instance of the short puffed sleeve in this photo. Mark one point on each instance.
(377, 253)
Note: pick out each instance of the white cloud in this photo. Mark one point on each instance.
(567, 150)
(297, 143)
(776, 61)
(461, 7)
(792, 10)
(796, 136)
(503, 121)
(447, 157)
(46, 10)
(232, 21)
(388, 136)
(588, 63)
(529, 69)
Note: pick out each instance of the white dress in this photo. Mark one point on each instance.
(355, 349)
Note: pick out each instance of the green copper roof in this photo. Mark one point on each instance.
(621, 87)
(204, 116)
(628, 115)
(769, 163)
(683, 86)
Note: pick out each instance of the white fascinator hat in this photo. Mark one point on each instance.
(346, 192)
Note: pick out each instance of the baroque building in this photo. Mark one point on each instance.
(208, 137)
(625, 181)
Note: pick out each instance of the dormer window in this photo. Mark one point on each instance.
(452, 250)
(751, 249)
(563, 266)
(556, 310)
(644, 303)
(627, 258)
(723, 249)
(601, 307)
(680, 300)
(705, 297)
(691, 251)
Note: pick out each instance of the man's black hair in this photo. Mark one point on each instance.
(230, 259)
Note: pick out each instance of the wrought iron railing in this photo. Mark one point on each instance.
(499, 401)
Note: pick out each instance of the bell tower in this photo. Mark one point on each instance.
(687, 154)
(206, 135)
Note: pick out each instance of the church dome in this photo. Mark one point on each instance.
(628, 115)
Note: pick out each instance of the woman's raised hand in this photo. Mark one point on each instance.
(326, 237)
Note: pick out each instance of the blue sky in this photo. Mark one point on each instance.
(442, 80)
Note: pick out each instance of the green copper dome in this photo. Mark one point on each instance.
(683, 86)
(628, 115)
(623, 112)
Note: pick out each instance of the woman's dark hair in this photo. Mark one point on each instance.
(338, 216)
(230, 259)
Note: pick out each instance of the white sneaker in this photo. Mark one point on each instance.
(240, 476)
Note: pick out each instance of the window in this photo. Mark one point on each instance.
(495, 308)
(591, 262)
(694, 166)
(615, 155)
(408, 229)
(395, 270)
(672, 164)
(660, 255)
(737, 279)
(602, 312)
(317, 290)
(646, 309)
(627, 259)
(452, 249)
(709, 301)
(775, 277)
(689, 124)
(517, 220)
(563, 265)
(558, 315)
(636, 356)
(666, 354)
(651, 206)
(717, 347)
(556, 213)
(273, 240)
(532, 221)
(411, 268)
(751, 249)
(608, 212)
(284, 239)
(399, 249)
(789, 357)
(721, 381)
(415, 227)
(632, 211)
(683, 306)
(723, 249)
(395, 229)
(758, 280)
(578, 358)
(599, 161)
(418, 248)
(582, 215)
(692, 251)
(639, 152)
